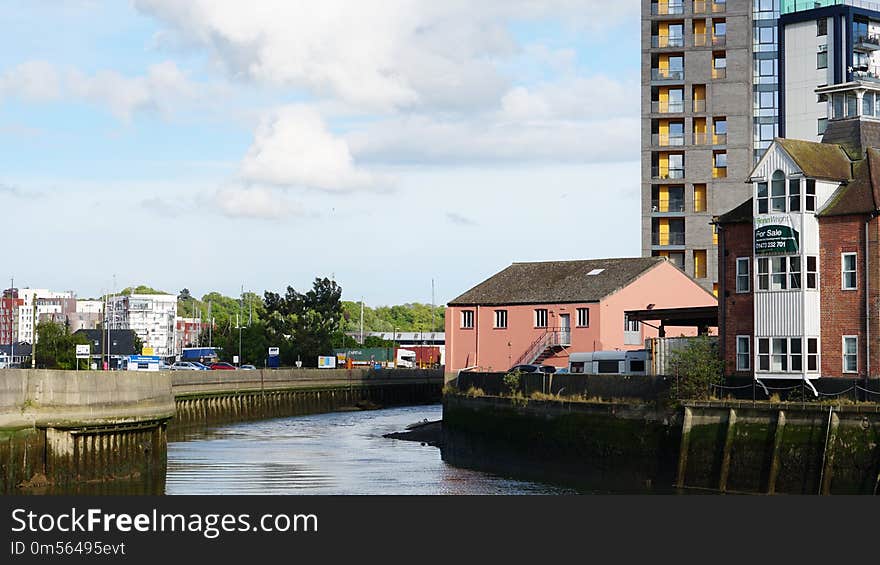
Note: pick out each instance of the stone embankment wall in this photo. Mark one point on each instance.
(59, 428)
(62, 427)
(638, 447)
(224, 396)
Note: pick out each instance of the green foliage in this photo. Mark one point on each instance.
(696, 366)
(305, 324)
(141, 289)
(56, 346)
(413, 317)
(512, 382)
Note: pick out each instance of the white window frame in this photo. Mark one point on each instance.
(467, 319)
(744, 274)
(854, 271)
(583, 314)
(539, 312)
(807, 355)
(745, 355)
(843, 353)
(786, 359)
(501, 319)
(788, 279)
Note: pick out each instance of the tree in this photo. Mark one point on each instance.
(697, 366)
(56, 346)
(304, 325)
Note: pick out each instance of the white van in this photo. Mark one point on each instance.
(609, 362)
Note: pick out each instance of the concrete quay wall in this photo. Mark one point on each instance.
(734, 446)
(64, 427)
(227, 396)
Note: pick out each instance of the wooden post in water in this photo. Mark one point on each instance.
(774, 458)
(686, 423)
(725, 454)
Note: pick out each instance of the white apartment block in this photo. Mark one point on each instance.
(48, 303)
(151, 316)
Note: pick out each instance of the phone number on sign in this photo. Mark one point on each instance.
(67, 548)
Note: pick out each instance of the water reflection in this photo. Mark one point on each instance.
(338, 453)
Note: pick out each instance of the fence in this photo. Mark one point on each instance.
(648, 387)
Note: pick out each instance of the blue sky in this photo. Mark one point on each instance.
(211, 144)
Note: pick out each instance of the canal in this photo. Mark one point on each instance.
(336, 453)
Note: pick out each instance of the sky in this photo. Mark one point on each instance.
(221, 144)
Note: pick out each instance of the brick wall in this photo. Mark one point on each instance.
(738, 308)
(842, 311)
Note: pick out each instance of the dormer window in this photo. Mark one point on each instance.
(772, 197)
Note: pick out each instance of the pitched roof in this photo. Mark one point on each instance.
(856, 196)
(742, 214)
(818, 160)
(557, 281)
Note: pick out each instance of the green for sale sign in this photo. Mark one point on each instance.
(775, 234)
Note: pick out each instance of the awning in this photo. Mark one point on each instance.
(702, 317)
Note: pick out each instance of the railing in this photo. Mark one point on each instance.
(719, 73)
(719, 139)
(701, 138)
(671, 205)
(550, 338)
(670, 173)
(704, 7)
(707, 39)
(867, 43)
(667, 74)
(671, 238)
(672, 107)
(719, 172)
(789, 6)
(667, 9)
(661, 41)
(699, 105)
(667, 140)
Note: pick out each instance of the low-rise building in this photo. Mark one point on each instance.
(541, 312)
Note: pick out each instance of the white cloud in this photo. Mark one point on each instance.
(374, 54)
(293, 148)
(425, 140)
(162, 88)
(574, 97)
(254, 203)
(31, 80)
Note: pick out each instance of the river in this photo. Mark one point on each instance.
(336, 453)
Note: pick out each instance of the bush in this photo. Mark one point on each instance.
(696, 367)
(512, 382)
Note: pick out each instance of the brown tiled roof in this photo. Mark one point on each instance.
(857, 196)
(742, 214)
(557, 281)
(826, 161)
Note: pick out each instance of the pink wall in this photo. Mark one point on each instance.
(665, 286)
(488, 347)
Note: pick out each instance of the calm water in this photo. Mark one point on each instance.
(339, 453)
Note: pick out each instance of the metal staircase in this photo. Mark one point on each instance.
(546, 345)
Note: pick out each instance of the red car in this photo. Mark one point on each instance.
(222, 367)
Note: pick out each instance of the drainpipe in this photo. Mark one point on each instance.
(722, 287)
(871, 216)
(477, 336)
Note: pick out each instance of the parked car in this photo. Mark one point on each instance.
(200, 366)
(184, 366)
(222, 366)
(533, 369)
(248, 368)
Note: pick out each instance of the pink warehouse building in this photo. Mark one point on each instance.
(540, 312)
